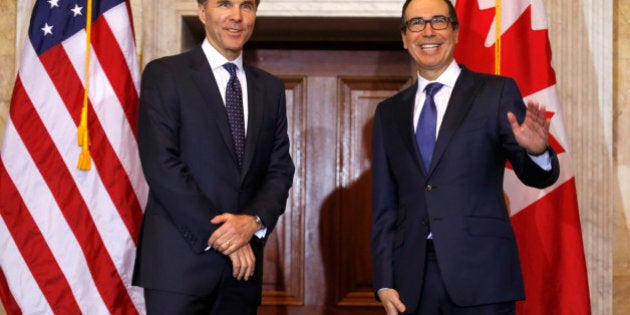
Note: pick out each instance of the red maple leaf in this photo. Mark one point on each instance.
(525, 53)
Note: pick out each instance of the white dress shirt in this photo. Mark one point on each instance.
(222, 76)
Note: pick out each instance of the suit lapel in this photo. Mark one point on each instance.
(458, 107)
(211, 97)
(404, 119)
(255, 95)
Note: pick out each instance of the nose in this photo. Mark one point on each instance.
(236, 13)
(428, 29)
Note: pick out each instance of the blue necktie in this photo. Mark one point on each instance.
(425, 131)
(234, 107)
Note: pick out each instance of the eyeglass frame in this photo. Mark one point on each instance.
(448, 20)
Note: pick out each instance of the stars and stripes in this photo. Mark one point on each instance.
(67, 236)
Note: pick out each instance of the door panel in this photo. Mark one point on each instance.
(317, 261)
(283, 281)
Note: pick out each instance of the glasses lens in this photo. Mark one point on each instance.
(439, 23)
(415, 24)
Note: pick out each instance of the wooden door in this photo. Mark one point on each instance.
(317, 261)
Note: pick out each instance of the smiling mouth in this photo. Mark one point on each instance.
(430, 46)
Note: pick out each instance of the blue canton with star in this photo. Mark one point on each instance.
(53, 21)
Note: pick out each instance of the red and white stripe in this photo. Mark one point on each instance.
(68, 237)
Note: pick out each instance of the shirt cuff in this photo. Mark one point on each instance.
(543, 160)
(261, 233)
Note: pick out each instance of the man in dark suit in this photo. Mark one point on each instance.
(442, 242)
(218, 172)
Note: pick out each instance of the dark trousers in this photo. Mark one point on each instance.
(434, 299)
(231, 297)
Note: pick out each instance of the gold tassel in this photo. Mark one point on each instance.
(83, 139)
(82, 129)
(84, 163)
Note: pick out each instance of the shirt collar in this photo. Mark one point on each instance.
(216, 60)
(448, 77)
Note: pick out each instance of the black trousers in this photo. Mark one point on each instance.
(231, 297)
(434, 299)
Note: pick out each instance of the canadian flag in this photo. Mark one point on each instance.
(510, 38)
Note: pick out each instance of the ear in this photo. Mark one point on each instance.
(404, 39)
(202, 13)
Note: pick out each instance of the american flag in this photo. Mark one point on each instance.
(510, 37)
(68, 236)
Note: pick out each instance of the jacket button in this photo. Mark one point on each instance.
(428, 188)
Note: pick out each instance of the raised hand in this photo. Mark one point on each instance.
(533, 133)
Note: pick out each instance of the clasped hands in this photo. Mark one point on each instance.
(232, 239)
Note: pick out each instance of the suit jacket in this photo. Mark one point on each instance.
(460, 197)
(189, 161)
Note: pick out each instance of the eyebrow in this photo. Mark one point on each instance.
(426, 19)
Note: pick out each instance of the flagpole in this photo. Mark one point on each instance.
(497, 36)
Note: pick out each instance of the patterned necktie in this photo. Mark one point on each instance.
(234, 107)
(425, 131)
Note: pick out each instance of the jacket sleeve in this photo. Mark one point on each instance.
(525, 168)
(270, 196)
(383, 211)
(172, 188)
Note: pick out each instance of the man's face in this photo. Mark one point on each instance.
(431, 49)
(229, 24)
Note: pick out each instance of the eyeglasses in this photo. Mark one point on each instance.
(417, 24)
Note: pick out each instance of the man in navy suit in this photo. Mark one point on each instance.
(215, 152)
(441, 240)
